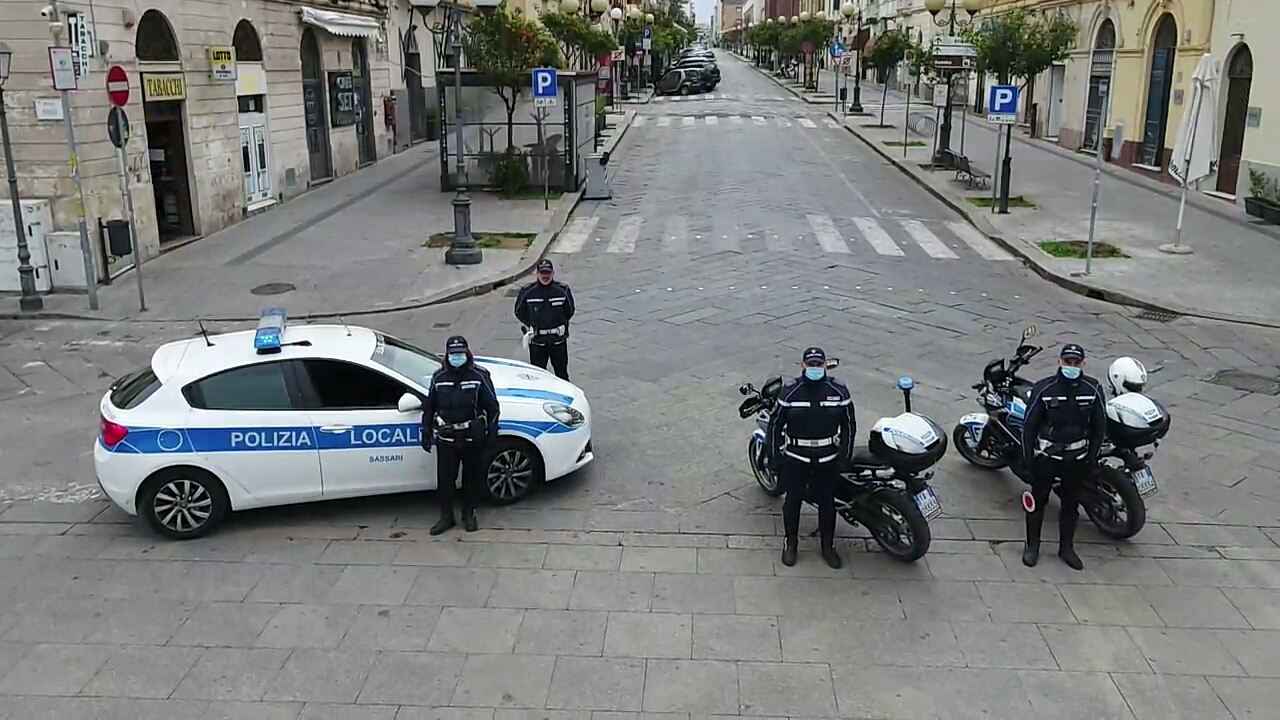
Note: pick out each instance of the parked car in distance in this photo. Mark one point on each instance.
(683, 81)
(709, 69)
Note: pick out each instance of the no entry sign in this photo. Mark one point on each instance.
(117, 86)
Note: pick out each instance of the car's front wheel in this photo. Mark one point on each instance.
(183, 503)
(514, 468)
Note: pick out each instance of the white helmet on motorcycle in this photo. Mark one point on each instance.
(1126, 375)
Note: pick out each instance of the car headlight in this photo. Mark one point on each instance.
(564, 414)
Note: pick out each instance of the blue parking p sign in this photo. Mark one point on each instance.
(544, 87)
(1002, 104)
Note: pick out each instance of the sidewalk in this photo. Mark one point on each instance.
(1229, 276)
(355, 246)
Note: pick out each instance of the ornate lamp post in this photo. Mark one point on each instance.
(853, 17)
(615, 15)
(951, 22)
(30, 301)
(462, 248)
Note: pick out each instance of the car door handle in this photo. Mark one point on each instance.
(335, 428)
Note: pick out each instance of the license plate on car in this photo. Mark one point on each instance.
(928, 503)
(1145, 481)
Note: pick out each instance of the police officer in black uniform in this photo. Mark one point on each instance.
(546, 307)
(460, 416)
(1065, 426)
(812, 433)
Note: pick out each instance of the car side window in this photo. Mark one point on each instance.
(672, 78)
(252, 387)
(342, 385)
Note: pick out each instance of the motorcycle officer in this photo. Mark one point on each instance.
(460, 415)
(545, 307)
(1063, 434)
(812, 433)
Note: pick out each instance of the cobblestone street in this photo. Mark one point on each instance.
(650, 583)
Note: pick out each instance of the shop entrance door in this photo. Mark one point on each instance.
(167, 152)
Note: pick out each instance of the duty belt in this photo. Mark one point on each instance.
(1058, 451)
(557, 330)
(442, 425)
(823, 442)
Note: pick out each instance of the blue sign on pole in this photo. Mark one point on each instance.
(837, 49)
(1002, 104)
(648, 34)
(544, 87)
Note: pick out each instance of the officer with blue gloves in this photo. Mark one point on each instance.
(1061, 439)
(813, 432)
(460, 416)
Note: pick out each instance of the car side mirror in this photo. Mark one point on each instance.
(833, 363)
(409, 403)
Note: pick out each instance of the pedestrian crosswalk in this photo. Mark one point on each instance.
(686, 121)
(725, 96)
(630, 234)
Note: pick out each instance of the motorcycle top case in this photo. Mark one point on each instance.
(910, 442)
(1135, 420)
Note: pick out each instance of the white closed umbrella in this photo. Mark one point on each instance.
(1195, 148)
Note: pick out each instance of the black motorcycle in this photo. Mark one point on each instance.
(886, 488)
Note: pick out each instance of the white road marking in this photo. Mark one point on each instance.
(877, 237)
(664, 121)
(783, 122)
(624, 237)
(735, 119)
(806, 122)
(925, 238)
(758, 119)
(981, 244)
(831, 122)
(638, 121)
(689, 120)
(574, 237)
(828, 237)
(712, 120)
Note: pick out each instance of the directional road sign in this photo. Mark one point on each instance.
(544, 87)
(118, 86)
(837, 49)
(1002, 104)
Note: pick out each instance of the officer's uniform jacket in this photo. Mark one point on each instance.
(1066, 420)
(814, 422)
(461, 405)
(547, 309)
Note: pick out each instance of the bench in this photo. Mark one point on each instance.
(965, 171)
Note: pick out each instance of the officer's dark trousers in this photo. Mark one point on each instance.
(811, 481)
(1044, 471)
(558, 354)
(470, 456)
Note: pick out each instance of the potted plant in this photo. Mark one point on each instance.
(1271, 203)
(1257, 193)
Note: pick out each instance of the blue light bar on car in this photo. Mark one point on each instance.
(270, 331)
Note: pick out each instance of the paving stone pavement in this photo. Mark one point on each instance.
(649, 584)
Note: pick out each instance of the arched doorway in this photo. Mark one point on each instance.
(1101, 62)
(313, 109)
(1159, 86)
(1235, 119)
(417, 96)
(363, 101)
(251, 96)
(164, 94)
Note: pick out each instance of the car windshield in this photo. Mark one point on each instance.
(405, 359)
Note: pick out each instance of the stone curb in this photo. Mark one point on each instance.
(1029, 259)
(537, 250)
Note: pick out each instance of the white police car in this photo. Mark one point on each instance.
(298, 413)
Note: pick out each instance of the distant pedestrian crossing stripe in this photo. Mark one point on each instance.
(677, 234)
(663, 121)
(726, 96)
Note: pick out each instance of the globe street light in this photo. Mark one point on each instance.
(30, 301)
(851, 15)
(462, 247)
(953, 19)
(804, 16)
(569, 7)
(616, 16)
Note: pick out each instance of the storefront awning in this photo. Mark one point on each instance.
(341, 24)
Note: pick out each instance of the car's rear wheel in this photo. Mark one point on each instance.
(183, 503)
(684, 89)
(514, 468)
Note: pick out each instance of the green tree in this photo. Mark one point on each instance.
(1019, 45)
(580, 41)
(505, 47)
(889, 49)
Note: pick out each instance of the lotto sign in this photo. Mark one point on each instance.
(1002, 104)
(544, 87)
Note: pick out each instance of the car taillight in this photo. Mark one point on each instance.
(113, 434)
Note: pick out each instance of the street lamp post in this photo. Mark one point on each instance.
(952, 21)
(462, 248)
(851, 15)
(616, 16)
(30, 301)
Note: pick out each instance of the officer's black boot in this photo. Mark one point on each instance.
(1066, 542)
(790, 551)
(445, 522)
(1031, 551)
(469, 519)
(829, 545)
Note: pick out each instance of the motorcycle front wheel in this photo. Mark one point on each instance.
(767, 479)
(1115, 506)
(964, 441)
(897, 525)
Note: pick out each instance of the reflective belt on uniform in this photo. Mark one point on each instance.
(811, 443)
(1061, 449)
(822, 442)
(557, 330)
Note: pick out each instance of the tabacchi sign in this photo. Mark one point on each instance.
(169, 86)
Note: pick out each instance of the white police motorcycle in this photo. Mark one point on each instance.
(886, 488)
(1114, 497)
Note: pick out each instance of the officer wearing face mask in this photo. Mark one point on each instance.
(460, 417)
(545, 308)
(812, 432)
(1065, 426)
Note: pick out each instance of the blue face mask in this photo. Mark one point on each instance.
(815, 373)
(1070, 373)
(457, 359)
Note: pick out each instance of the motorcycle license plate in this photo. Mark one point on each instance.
(1145, 481)
(928, 503)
